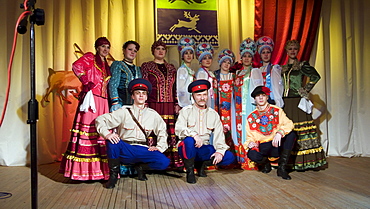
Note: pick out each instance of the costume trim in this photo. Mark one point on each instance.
(85, 160)
(165, 117)
(84, 133)
(309, 151)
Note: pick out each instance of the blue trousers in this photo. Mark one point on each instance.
(267, 150)
(131, 154)
(187, 150)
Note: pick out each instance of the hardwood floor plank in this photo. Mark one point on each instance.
(344, 184)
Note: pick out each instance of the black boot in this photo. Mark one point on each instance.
(264, 165)
(114, 165)
(283, 161)
(141, 168)
(189, 166)
(203, 166)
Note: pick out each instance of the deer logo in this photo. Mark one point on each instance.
(191, 25)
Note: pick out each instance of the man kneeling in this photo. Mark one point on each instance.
(194, 127)
(269, 134)
(134, 123)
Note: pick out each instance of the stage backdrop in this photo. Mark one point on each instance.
(193, 18)
(339, 54)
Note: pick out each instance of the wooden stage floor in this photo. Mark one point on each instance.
(344, 184)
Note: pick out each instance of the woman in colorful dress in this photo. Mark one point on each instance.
(245, 82)
(271, 73)
(205, 56)
(308, 152)
(86, 158)
(122, 73)
(185, 75)
(162, 76)
(225, 95)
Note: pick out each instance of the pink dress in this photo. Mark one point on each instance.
(86, 154)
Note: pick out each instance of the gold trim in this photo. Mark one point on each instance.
(168, 116)
(310, 151)
(306, 128)
(304, 122)
(173, 149)
(84, 133)
(84, 160)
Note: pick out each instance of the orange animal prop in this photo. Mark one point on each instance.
(60, 81)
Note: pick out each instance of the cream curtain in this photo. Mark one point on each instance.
(340, 57)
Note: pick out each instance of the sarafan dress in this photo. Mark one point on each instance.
(245, 80)
(86, 154)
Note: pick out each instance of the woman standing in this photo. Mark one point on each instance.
(271, 73)
(225, 95)
(205, 57)
(86, 158)
(244, 84)
(185, 75)
(308, 151)
(122, 73)
(162, 76)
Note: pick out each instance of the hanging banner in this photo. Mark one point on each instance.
(192, 18)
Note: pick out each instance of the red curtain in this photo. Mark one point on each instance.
(285, 20)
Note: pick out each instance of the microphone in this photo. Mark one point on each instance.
(22, 27)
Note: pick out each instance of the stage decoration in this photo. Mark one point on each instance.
(192, 18)
(65, 82)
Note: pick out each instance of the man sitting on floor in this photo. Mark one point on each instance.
(194, 127)
(134, 123)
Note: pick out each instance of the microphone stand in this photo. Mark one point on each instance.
(38, 17)
(33, 116)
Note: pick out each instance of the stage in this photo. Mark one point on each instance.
(344, 184)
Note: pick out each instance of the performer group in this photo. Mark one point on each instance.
(133, 119)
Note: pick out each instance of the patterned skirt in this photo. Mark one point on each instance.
(167, 112)
(307, 152)
(86, 154)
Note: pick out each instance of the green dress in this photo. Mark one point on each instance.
(299, 79)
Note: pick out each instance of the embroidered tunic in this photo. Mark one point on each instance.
(263, 125)
(122, 74)
(294, 75)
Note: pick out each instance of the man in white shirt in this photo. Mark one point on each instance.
(129, 144)
(194, 127)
